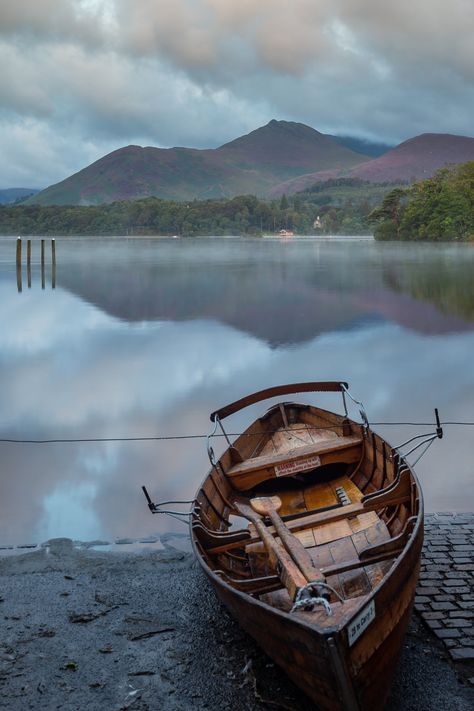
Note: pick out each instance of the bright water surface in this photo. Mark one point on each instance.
(147, 337)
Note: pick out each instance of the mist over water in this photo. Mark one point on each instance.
(145, 338)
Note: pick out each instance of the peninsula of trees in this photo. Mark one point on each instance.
(440, 209)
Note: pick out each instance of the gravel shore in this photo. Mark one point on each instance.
(106, 630)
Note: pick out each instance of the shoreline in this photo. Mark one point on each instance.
(82, 628)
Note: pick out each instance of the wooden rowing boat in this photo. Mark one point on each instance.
(310, 528)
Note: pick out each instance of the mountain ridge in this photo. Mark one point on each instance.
(415, 159)
(250, 164)
(280, 157)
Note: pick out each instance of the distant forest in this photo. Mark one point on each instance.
(338, 206)
(439, 209)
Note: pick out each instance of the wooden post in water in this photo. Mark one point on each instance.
(18, 265)
(28, 262)
(42, 264)
(53, 263)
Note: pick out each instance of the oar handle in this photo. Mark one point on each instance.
(296, 549)
(290, 575)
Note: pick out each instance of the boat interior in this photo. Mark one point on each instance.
(341, 492)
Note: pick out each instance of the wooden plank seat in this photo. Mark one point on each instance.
(247, 474)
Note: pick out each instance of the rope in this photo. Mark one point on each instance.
(424, 451)
(170, 438)
(308, 603)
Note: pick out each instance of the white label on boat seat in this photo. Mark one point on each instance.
(360, 623)
(301, 465)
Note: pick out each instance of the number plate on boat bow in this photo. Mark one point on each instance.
(302, 465)
(360, 623)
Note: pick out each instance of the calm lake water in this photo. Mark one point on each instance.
(144, 338)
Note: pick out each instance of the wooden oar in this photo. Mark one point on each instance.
(397, 493)
(269, 506)
(290, 575)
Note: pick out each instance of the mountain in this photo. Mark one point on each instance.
(251, 164)
(9, 195)
(415, 159)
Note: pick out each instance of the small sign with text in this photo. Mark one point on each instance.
(302, 465)
(360, 623)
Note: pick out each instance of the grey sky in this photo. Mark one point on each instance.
(83, 77)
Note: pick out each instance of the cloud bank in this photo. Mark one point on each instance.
(83, 77)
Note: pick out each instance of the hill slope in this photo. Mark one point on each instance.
(418, 158)
(250, 164)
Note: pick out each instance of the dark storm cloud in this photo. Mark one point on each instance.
(87, 76)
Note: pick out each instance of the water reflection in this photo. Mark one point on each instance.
(279, 291)
(146, 338)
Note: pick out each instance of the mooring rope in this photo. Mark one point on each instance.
(306, 603)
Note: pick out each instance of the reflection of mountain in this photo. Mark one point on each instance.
(281, 299)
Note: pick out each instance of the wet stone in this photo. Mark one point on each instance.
(462, 653)
(435, 615)
(455, 582)
(459, 623)
(447, 633)
(445, 598)
(442, 606)
(457, 591)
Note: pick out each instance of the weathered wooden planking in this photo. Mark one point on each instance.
(331, 532)
(320, 495)
(249, 473)
(354, 583)
(292, 502)
(378, 533)
(360, 523)
(296, 452)
(352, 491)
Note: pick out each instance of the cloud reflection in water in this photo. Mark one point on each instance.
(68, 369)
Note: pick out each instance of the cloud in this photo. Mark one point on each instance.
(81, 21)
(73, 106)
(104, 73)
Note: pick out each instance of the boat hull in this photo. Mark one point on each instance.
(306, 657)
(337, 668)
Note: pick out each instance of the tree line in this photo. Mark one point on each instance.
(438, 209)
(340, 206)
